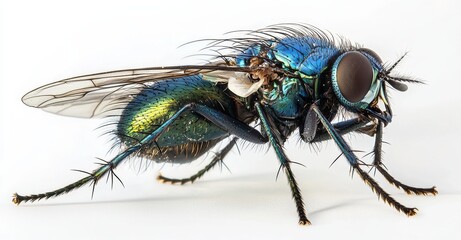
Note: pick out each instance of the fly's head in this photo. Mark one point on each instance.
(359, 82)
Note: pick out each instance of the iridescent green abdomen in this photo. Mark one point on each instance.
(190, 135)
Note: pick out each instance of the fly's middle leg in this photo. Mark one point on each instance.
(285, 165)
(218, 158)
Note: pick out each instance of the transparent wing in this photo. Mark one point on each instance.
(106, 94)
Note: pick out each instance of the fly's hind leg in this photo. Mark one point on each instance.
(216, 159)
(377, 163)
(226, 122)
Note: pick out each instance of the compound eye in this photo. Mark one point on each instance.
(354, 75)
(372, 54)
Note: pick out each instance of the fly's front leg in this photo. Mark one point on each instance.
(379, 166)
(311, 133)
(216, 159)
(285, 165)
(344, 127)
(354, 162)
(309, 128)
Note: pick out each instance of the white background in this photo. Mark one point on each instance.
(44, 41)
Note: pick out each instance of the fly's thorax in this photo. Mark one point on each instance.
(307, 55)
(309, 58)
(288, 98)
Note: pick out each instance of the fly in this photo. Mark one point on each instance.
(259, 88)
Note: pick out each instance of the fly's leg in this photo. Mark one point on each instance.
(216, 159)
(379, 166)
(344, 127)
(94, 176)
(285, 165)
(376, 129)
(310, 131)
(227, 123)
(353, 160)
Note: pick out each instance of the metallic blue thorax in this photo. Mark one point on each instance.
(306, 56)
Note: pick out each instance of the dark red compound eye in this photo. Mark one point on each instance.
(354, 76)
(372, 54)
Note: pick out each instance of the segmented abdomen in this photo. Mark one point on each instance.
(186, 138)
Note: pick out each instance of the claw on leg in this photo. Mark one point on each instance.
(166, 180)
(304, 222)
